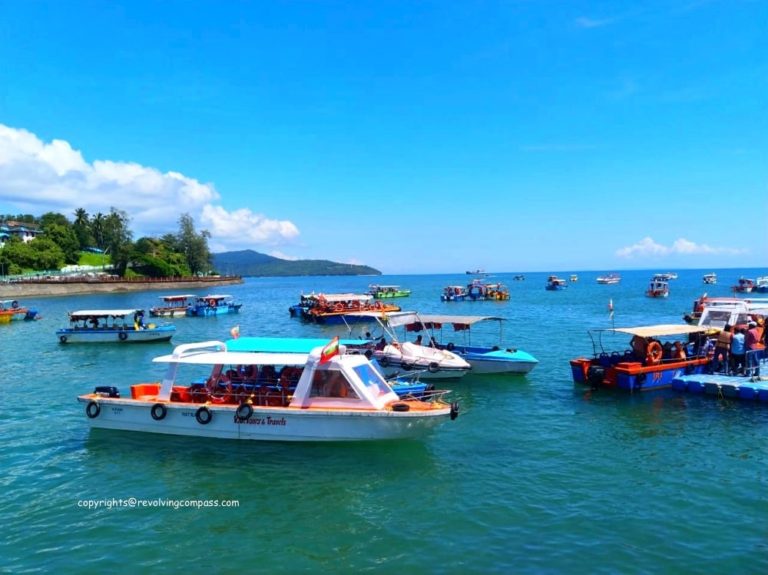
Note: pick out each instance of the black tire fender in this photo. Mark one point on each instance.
(203, 416)
(92, 410)
(158, 411)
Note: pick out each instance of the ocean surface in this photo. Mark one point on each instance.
(537, 475)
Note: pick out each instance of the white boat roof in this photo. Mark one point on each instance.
(213, 296)
(400, 318)
(462, 319)
(660, 330)
(235, 358)
(103, 312)
(336, 297)
(178, 297)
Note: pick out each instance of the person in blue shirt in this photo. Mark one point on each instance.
(737, 351)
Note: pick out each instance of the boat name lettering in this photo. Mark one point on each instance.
(266, 421)
(116, 409)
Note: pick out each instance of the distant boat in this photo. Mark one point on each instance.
(475, 272)
(761, 284)
(175, 306)
(519, 277)
(665, 277)
(555, 283)
(609, 279)
(381, 292)
(11, 310)
(213, 305)
(744, 285)
(710, 279)
(657, 288)
(574, 278)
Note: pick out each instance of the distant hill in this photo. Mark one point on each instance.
(251, 263)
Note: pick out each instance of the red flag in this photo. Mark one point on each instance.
(235, 332)
(331, 349)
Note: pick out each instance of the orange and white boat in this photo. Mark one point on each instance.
(326, 395)
(11, 310)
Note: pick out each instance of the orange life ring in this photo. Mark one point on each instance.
(338, 307)
(654, 353)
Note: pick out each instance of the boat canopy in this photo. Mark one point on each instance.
(214, 296)
(659, 330)
(285, 344)
(103, 313)
(234, 358)
(179, 297)
(457, 320)
(340, 297)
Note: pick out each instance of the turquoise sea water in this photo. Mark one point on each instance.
(535, 476)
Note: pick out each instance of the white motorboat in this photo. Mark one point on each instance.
(398, 358)
(326, 395)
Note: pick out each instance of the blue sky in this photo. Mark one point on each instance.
(415, 137)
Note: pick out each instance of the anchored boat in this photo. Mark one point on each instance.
(113, 326)
(383, 292)
(326, 395)
(212, 305)
(11, 310)
(174, 306)
(555, 283)
(483, 359)
(654, 357)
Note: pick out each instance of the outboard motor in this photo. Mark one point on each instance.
(107, 391)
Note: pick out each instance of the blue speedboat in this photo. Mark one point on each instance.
(483, 359)
(214, 304)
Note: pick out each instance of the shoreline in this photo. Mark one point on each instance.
(79, 286)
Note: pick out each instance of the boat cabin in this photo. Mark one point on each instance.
(274, 379)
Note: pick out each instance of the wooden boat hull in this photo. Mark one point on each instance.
(265, 424)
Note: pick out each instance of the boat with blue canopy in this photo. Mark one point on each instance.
(213, 305)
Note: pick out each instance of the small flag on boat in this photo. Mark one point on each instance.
(235, 332)
(331, 349)
(610, 308)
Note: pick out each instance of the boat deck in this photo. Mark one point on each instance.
(723, 386)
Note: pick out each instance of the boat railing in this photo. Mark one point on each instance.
(428, 395)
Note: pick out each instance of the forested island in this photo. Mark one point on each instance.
(251, 263)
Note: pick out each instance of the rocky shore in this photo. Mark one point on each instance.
(75, 286)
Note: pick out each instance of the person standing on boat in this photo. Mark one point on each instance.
(738, 350)
(723, 349)
(418, 340)
(754, 347)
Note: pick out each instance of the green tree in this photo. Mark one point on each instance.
(194, 246)
(65, 238)
(82, 228)
(118, 239)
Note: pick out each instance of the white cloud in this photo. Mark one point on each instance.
(37, 177)
(282, 256)
(243, 228)
(647, 247)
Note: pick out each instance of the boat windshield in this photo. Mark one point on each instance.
(372, 379)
